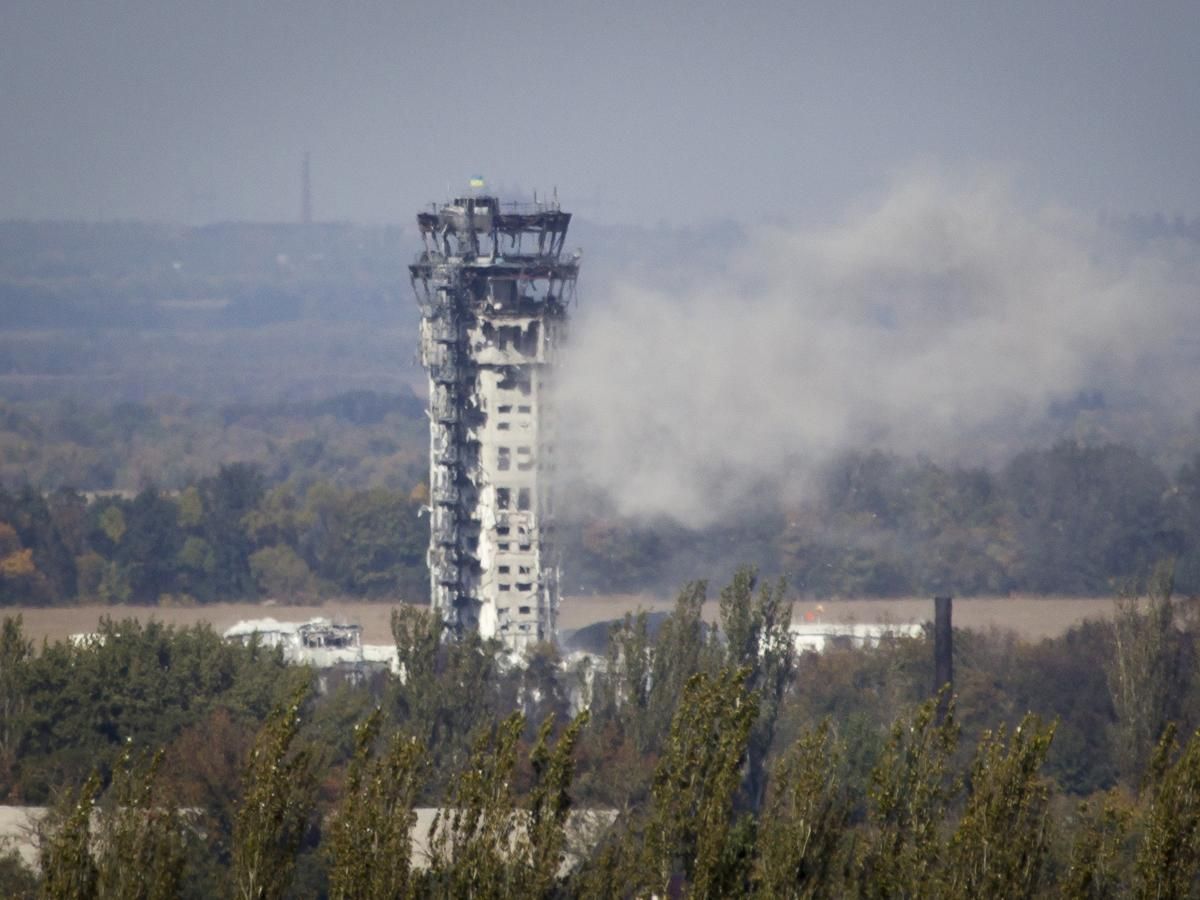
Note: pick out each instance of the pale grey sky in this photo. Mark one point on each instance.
(685, 112)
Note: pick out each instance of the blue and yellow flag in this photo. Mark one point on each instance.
(476, 181)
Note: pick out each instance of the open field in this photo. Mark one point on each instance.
(1031, 618)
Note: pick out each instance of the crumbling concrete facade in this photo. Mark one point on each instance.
(494, 286)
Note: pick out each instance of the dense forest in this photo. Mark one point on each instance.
(710, 762)
(309, 499)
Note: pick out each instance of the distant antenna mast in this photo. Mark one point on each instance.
(305, 192)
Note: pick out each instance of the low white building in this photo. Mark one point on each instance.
(320, 643)
(821, 636)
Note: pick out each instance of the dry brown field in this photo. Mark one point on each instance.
(1031, 618)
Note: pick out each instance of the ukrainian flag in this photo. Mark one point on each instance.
(476, 182)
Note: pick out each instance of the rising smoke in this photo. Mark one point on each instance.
(946, 319)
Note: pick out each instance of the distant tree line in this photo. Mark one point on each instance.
(356, 439)
(723, 763)
(225, 537)
(1071, 519)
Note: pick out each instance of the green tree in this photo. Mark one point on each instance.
(681, 650)
(15, 653)
(804, 831)
(202, 773)
(370, 846)
(758, 637)
(1095, 868)
(139, 684)
(486, 844)
(690, 830)
(550, 803)
(228, 498)
(276, 803)
(999, 848)
(196, 568)
(911, 787)
(281, 574)
(615, 768)
(148, 547)
(1185, 521)
(65, 858)
(17, 880)
(366, 542)
(472, 838)
(29, 514)
(110, 521)
(386, 546)
(622, 689)
(1144, 671)
(280, 517)
(1168, 859)
(139, 838)
(191, 507)
(114, 585)
(446, 687)
(1084, 515)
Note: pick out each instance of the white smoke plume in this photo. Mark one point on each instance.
(944, 320)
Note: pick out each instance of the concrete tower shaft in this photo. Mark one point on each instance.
(494, 288)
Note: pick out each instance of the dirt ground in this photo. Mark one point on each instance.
(1032, 618)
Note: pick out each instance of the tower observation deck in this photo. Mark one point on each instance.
(494, 287)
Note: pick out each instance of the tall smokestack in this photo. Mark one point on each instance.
(943, 648)
(305, 192)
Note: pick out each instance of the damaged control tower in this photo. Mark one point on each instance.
(493, 286)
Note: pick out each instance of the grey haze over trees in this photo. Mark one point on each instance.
(948, 389)
(1070, 519)
(947, 318)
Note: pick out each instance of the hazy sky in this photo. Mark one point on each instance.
(683, 112)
